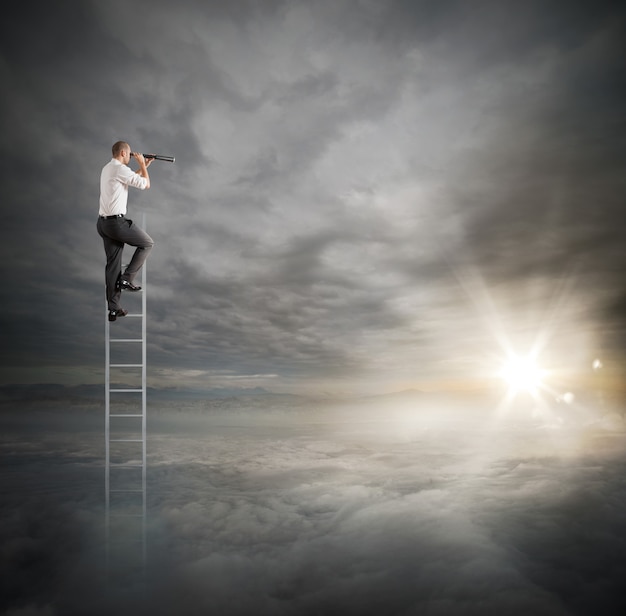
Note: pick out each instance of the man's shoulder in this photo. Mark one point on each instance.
(111, 165)
(116, 168)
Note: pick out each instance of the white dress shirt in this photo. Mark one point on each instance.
(115, 179)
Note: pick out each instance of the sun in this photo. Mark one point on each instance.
(522, 374)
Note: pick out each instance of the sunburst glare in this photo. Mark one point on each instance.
(522, 374)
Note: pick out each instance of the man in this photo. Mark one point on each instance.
(117, 230)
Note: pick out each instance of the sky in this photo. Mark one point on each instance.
(368, 195)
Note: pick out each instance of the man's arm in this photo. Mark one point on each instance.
(143, 167)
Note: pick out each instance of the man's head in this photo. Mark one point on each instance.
(121, 151)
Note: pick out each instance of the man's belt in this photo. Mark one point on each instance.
(114, 216)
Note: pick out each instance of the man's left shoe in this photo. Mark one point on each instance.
(125, 285)
(120, 312)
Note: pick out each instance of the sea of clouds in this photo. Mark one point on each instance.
(285, 507)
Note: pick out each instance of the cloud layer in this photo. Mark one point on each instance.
(360, 509)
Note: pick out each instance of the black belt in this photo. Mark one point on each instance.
(114, 216)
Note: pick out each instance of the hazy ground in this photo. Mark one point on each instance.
(270, 506)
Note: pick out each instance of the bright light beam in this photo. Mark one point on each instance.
(522, 374)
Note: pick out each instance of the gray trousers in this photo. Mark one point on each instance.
(116, 232)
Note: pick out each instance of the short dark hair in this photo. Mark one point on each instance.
(118, 146)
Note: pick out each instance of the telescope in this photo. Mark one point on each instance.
(167, 159)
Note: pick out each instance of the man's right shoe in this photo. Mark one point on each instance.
(120, 312)
(125, 285)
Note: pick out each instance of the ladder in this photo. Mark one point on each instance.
(125, 440)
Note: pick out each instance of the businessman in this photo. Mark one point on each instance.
(116, 230)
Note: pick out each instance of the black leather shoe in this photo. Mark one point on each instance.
(124, 285)
(120, 312)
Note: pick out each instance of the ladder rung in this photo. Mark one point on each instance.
(126, 515)
(126, 440)
(126, 465)
(126, 415)
(133, 491)
(125, 365)
(139, 314)
(126, 340)
(120, 390)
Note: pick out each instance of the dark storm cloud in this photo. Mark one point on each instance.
(337, 165)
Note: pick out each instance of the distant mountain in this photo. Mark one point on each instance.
(54, 391)
(95, 393)
(187, 393)
(405, 393)
(44, 391)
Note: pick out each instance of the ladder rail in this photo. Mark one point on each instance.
(107, 436)
(144, 401)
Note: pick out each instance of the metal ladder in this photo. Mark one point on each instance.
(125, 445)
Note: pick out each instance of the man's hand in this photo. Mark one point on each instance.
(143, 166)
(141, 159)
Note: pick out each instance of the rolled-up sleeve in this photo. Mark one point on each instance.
(130, 178)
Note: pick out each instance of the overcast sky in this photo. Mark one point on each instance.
(367, 195)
